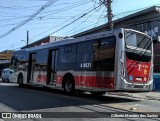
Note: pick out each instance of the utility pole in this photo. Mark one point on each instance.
(27, 37)
(109, 13)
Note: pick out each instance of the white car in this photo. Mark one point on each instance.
(6, 74)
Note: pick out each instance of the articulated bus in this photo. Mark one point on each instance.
(115, 60)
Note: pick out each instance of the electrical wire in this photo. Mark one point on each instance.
(81, 22)
(59, 24)
(30, 18)
(44, 16)
(74, 20)
(94, 4)
(53, 26)
(30, 8)
(99, 18)
(146, 19)
(63, 9)
(84, 28)
(89, 26)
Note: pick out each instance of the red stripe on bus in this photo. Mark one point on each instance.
(41, 78)
(91, 81)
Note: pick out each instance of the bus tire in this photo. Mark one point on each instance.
(69, 86)
(20, 80)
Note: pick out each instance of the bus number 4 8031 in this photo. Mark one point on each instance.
(85, 65)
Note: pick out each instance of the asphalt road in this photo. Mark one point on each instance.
(79, 107)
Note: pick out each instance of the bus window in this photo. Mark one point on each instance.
(66, 57)
(104, 54)
(67, 54)
(85, 55)
(41, 59)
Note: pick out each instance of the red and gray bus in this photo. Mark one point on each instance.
(115, 60)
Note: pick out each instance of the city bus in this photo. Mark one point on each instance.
(115, 60)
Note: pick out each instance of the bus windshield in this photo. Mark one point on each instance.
(138, 46)
(137, 41)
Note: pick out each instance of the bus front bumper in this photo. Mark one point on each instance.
(126, 86)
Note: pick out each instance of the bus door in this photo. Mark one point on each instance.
(51, 70)
(31, 67)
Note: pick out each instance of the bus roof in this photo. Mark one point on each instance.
(71, 40)
(75, 40)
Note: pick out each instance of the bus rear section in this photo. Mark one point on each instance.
(136, 62)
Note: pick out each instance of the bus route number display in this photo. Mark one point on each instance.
(85, 65)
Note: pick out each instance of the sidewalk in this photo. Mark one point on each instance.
(140, 95)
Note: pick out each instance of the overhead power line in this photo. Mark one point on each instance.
(76, 4)
(30, 18)
(99, 18)
(75, 20)
(80, 23)
(53, 27)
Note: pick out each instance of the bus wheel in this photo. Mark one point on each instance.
(69, 85)
(20, 80)
(98, 93)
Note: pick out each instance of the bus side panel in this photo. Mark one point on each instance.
(59, 78)
(40, 77)
(105, 80)
(88, 79)
(78, 79)
(24, 76)
(91, 80)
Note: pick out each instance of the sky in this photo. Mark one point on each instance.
(79, 15)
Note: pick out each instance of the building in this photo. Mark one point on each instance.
(43, 41)
(5, 58)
